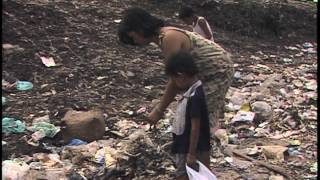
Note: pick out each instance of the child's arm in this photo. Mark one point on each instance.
(169, 94)
(202, 23)
(172, 43)
(194, 137)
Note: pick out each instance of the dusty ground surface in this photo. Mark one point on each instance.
(95, 71)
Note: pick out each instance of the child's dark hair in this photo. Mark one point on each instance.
(186, 12)
(181, 62)
(138, 20)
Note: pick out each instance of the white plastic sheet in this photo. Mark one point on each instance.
(203, 174)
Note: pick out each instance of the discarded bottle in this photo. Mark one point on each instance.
(24, 85)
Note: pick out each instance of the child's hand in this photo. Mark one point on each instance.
(154, 116)
(192, 161)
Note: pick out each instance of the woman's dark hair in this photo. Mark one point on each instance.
(186, 12)
(138, 20)
(181, 62)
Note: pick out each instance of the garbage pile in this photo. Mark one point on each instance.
(274, 106)
(51, 129)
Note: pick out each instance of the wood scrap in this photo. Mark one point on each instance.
(274, 168)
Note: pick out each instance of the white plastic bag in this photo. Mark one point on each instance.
(14, 170)
(203, 174)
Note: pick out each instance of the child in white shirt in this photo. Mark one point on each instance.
(199, 24)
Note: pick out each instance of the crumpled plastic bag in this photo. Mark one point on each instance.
(203, 174)
(49, 129)
(76, 142)
(222, 135)
(48, 160)
(14, 170)
(11, 125)
(243, 116)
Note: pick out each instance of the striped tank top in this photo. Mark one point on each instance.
(209, 57)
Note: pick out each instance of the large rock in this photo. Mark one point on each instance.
(87, 126)
(263, 111)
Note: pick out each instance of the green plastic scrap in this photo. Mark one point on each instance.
(49, 129)
(11, 125)
(24, 85)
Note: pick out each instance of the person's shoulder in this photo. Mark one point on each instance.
(173, 34)
(171, 31)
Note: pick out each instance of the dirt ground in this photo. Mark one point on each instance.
(95, 71)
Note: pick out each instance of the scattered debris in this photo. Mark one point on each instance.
(274, 152)
(117, 20)
(24, 85)
(295, 142)
(222, 135)
(307, 45)
(243, 116)
(36, 137)
(48, 129)
(273, 177)
(99, 72)
(254, 151)
(76, 142)
(285, 134)
(47, 61)
(314, 167)
(3, 100)
(12, 125)
(141, 110)
(262, 110)
(44, 118)
(11, 49)
(14, 169)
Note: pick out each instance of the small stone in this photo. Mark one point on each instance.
(263, 111)
(130, 74)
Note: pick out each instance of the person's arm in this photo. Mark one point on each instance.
(171, 43)
(202, 23)
(195, 113)
(194, 138)
(168, 96)
(169, 93)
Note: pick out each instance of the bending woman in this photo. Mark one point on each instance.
(138, 27)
